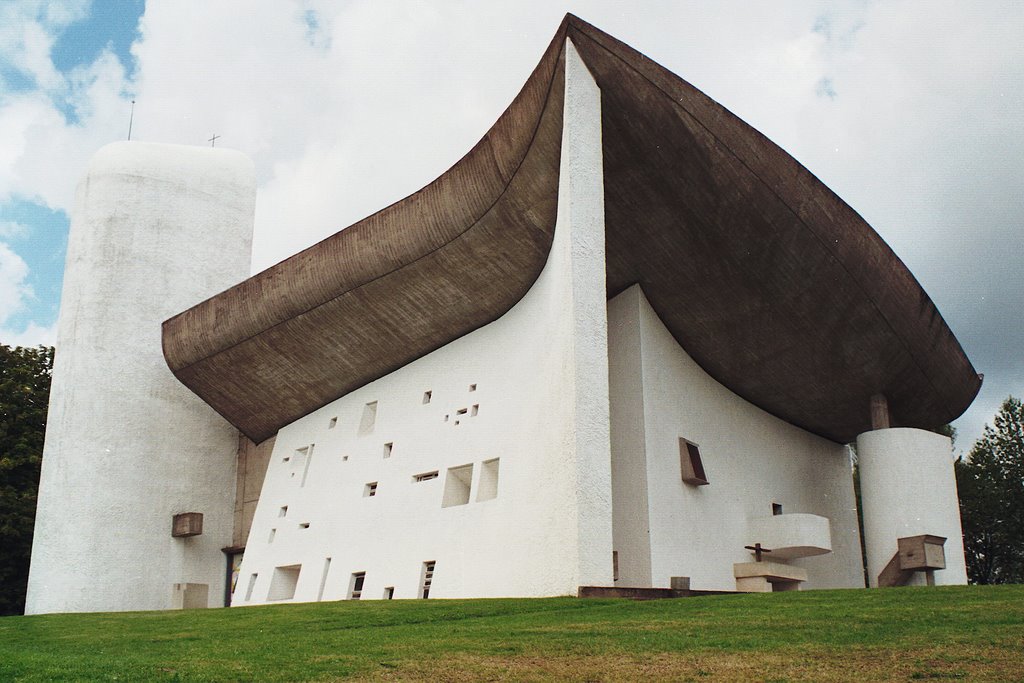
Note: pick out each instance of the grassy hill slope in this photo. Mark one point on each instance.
(973, 633)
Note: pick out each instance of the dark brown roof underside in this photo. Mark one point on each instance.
(775, 286)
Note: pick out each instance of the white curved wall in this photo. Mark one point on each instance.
(156, 228)
(908, 488)
(541, 407)
(752, 460)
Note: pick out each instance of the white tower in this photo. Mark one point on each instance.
(156, 229)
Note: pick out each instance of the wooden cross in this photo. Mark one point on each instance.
(213, 140)
(758, 550)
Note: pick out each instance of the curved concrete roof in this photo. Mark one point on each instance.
(772, 283)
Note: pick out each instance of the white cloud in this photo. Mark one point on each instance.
(908, 109)
(14, 292)
(9, 229)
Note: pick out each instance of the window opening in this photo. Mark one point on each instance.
(387, 449)
(472, 387)
(283, 511)
(475, 410)
(690, 463)
(304, 525)
(355, 586)
(426, 397)
(270, 537)
(457, 485)
(426, 476)
(252, 584)
(487, 487)
(776, 509)
(323, 579)
(427, 580)
(615, 565)
(333, 423)
(370, 490)
(369, 418)
(283, 583)
(389, 592)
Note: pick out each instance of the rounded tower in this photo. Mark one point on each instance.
(156, 229)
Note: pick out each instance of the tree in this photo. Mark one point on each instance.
(991, 487)
(24, 395)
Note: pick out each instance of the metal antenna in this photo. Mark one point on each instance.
(213, 140)
(131, 118)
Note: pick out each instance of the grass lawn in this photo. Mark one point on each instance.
(903, 634)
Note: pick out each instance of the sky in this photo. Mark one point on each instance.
(910, 110)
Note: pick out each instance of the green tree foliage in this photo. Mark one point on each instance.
(991, 487)
(24, 394)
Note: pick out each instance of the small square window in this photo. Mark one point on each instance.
(472, 387)
(690, 463)
(283, 511)
(426, 397)
(776, 509)
(333, 423)
(370, 490)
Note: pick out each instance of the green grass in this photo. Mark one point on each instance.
(957, 633)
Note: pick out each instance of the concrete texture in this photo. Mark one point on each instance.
(908, 488)
(775, 287)
(127, 447)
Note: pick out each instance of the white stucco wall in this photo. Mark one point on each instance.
(752, 459)
(908, 488)
(156, 228)
(540, 404)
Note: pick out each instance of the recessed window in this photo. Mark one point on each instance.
(304, 525)
(323, 579)
(344, 458)
(252, 584)
(615, 565)
(472, 387)
(271, 535)
(300, 463)
(776, 509)
(283, 511)
(456, 486)
(369, 418)
(690, 463)
(475, 410)
(426, 397)
(426, 476)
(387, 449)
(370, 490)
(389, 592)
(355, 585)
(446, 418)
(283, 583)
(461, 411)
(333, 423)
(427, 579)
(487, 488)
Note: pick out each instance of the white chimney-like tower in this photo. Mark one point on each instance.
(156, 229)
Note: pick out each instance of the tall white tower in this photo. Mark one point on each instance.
(156, 229)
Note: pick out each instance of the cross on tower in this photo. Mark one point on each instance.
(758, 550)
(213, 140)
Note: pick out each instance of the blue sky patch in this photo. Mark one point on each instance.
(43, 249)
